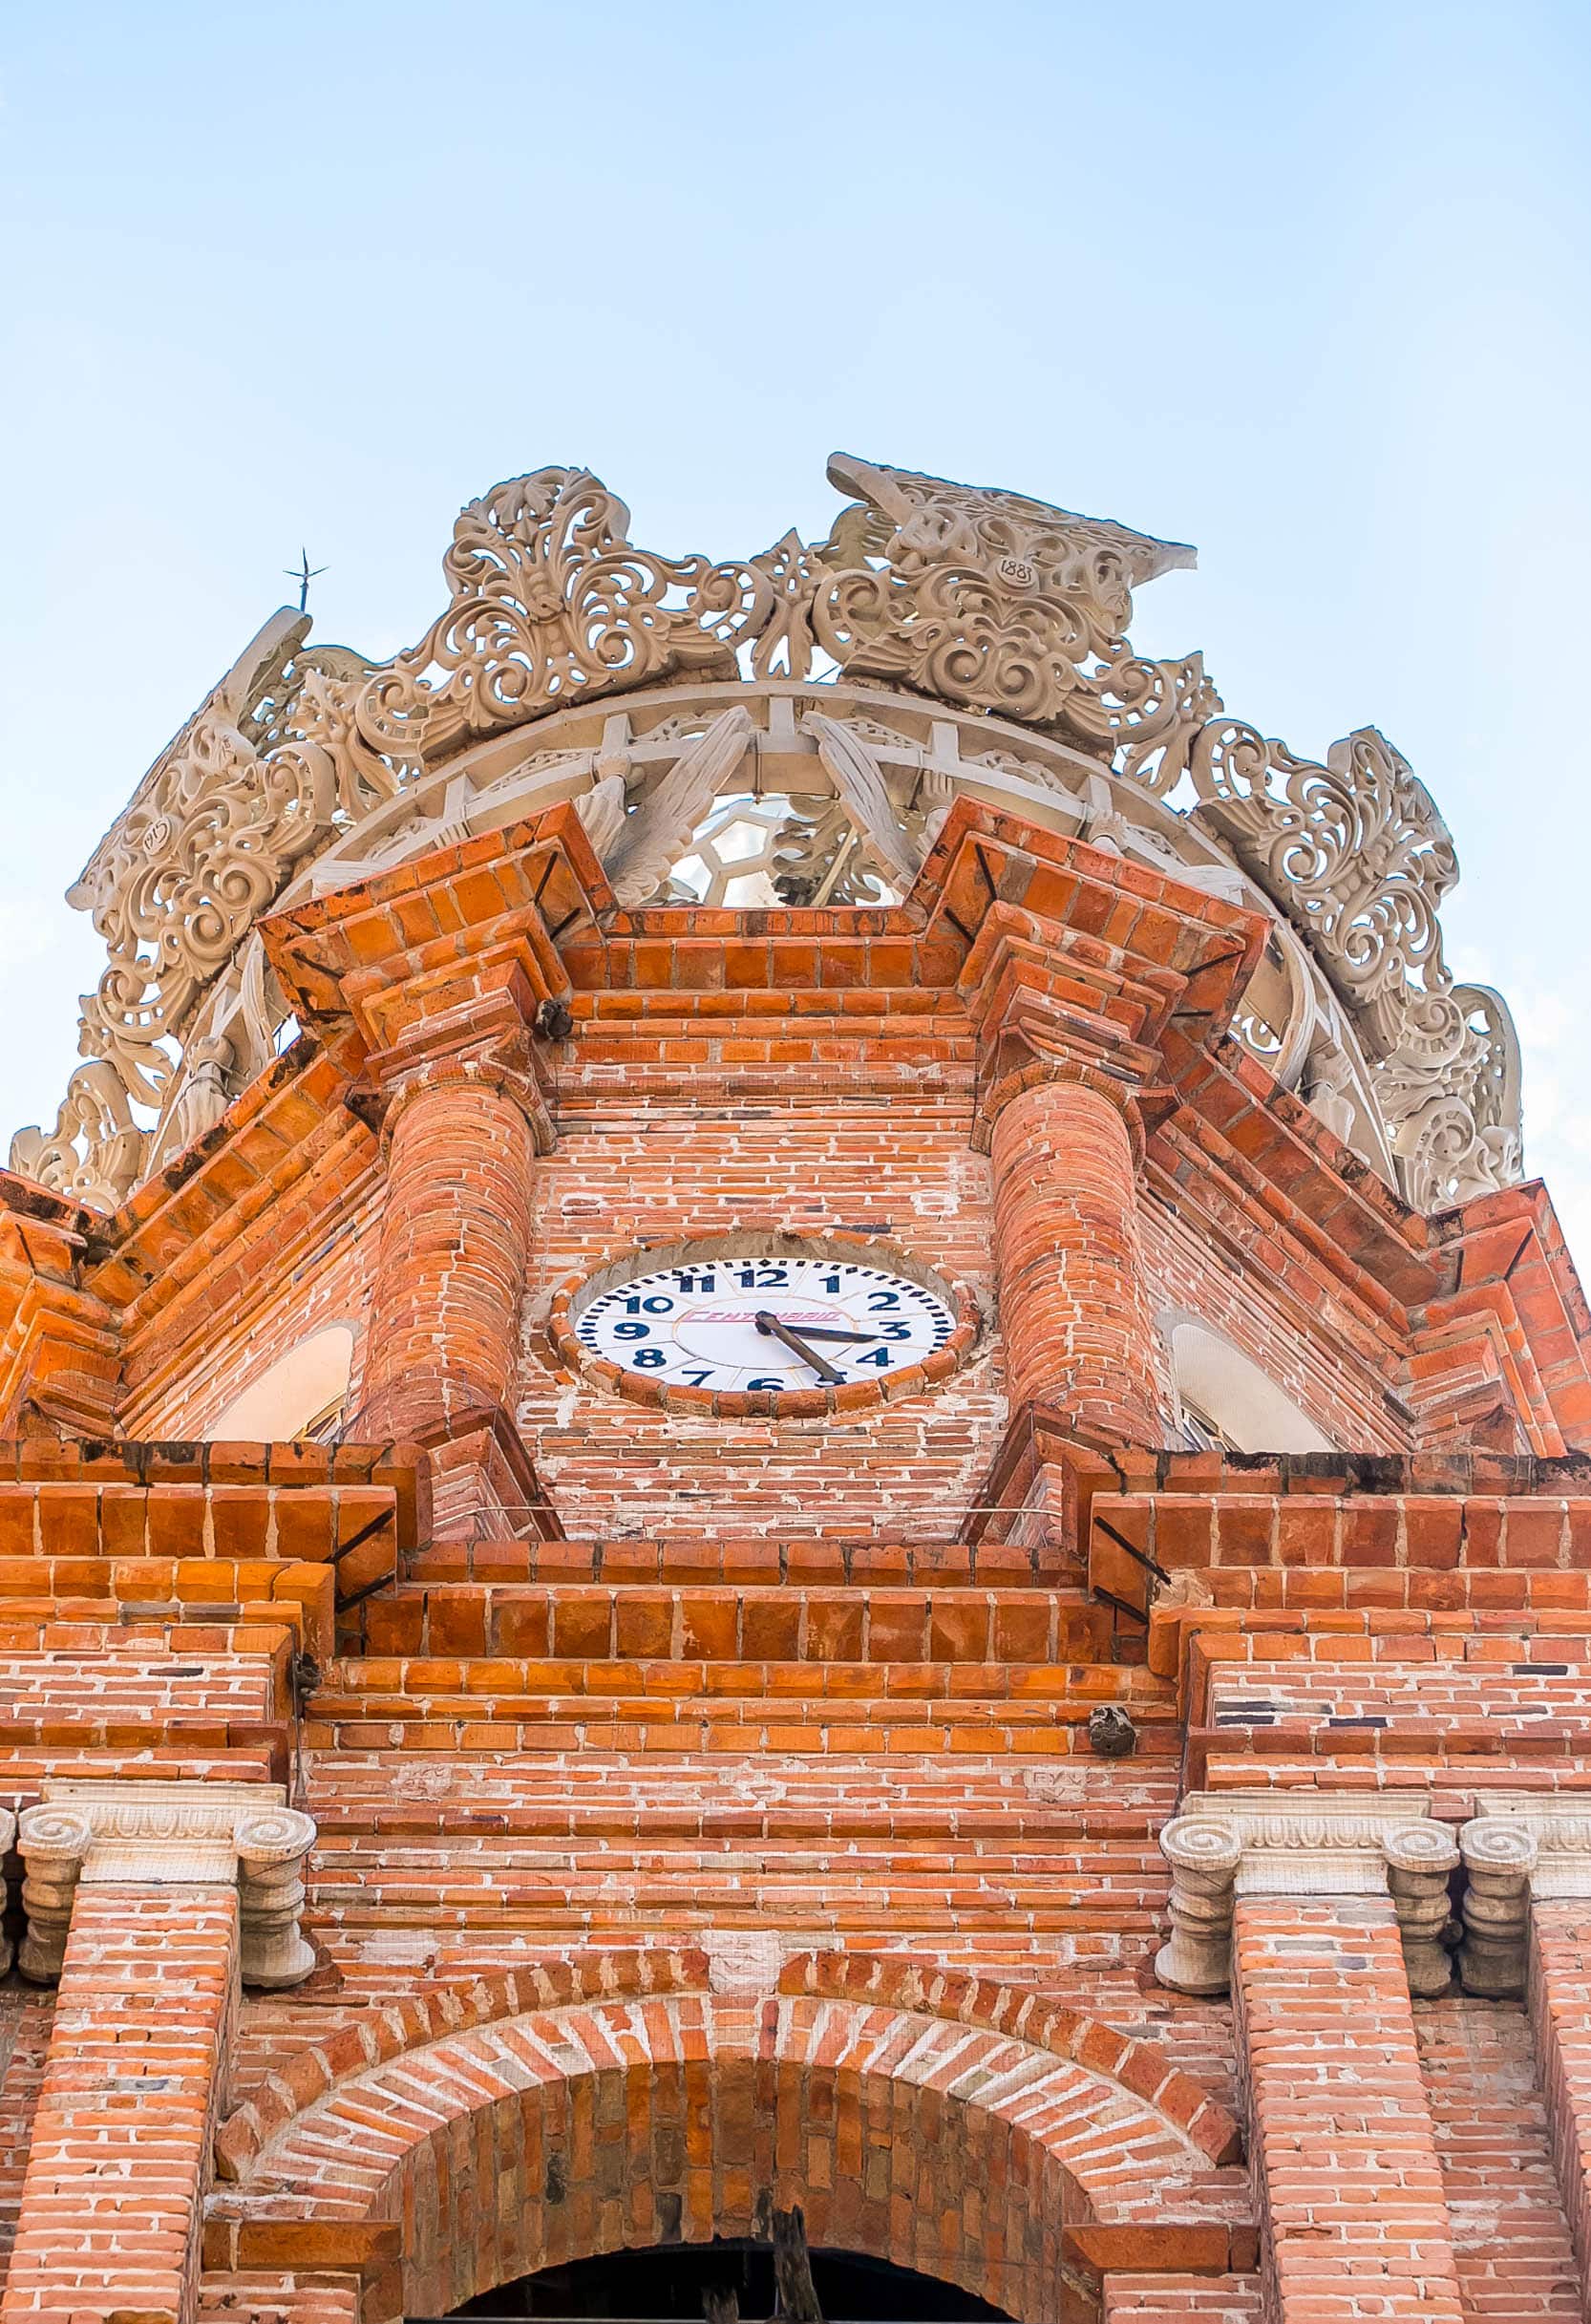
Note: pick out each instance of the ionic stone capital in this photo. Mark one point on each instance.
(1204, 1854)
(178, 1835)
(1520, 1847)
(1225, 1846)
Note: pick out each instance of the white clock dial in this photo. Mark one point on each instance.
(765, 1323)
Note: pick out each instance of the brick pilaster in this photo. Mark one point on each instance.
(1560, 2016)
(1075, 1306)
(1349, 2190)
(110, 2220)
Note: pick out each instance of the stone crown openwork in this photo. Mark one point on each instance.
(785, 730)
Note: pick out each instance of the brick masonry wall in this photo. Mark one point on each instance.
(1509, 2232)
(622, 1175)
(1335, 1363)
(326, 1282)
(1343, 2148)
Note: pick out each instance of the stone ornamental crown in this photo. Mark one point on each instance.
(788, 729)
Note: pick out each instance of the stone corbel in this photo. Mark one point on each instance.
(1225, 1846)
(1519, 1849)
(169, 1835)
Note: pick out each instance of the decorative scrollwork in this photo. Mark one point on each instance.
(94, 1152)
(979, 601)
(1355, 854)
(207, 842)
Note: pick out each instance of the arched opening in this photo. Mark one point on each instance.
(1225, 1399)
(685, 2283)
(303, 1393)
(938, 2125)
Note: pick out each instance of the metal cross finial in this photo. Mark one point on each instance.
(304, 573)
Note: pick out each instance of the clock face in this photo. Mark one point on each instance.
(718, 1325)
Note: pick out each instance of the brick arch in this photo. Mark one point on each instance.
(931, 2141)
(373, 2037)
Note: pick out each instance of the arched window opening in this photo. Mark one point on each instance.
(304, 1394)
(684, 2283)
(1228, 1401)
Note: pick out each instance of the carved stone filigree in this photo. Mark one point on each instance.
(309, 766)
(206, 844)
(1224, 1847)
(1355, 854)
(551, 603)
(999, 602)
(160, 1834)
(96, 1149)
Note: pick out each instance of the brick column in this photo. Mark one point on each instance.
(1353, 2218)
(1075, 1309)
(110, 2212)
(444, 1321)
(441, 1352)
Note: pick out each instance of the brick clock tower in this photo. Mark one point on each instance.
(795, 1484)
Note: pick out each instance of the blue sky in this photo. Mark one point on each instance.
(1306, 287)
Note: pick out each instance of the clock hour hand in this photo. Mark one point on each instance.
(823, 1331)
(767, 1323)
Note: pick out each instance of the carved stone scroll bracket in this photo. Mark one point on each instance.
(855, 772)
(1499, 1856)
(1521, 1847)
(1204, 1854)
(1421, 1858)
(1225, 1846)
(184, 1835)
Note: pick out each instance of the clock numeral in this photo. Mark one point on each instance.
(686, 1281)
(895, 1331)
(880, 1356)
(777, 1386)
(649, 1360)
(878, 1301)
(632, 1330)
(657, 1304)
(698, 1379)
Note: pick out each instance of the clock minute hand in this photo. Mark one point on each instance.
(767, 1323)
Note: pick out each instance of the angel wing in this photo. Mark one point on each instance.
(861, 786)
(653, 836)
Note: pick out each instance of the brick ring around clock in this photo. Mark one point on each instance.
(768, 1323)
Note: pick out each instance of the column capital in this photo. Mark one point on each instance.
(1224, 1847)
(159, 1835)
(1519, 1849)
(1123, 1096)
(504, 1066)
